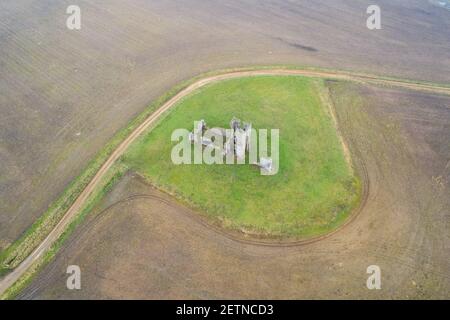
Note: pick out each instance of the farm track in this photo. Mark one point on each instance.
(12, 277)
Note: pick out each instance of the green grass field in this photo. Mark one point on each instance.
(314, 190)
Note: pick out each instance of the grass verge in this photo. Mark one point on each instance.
(113, 175)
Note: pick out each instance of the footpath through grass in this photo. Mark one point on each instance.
(314, 190)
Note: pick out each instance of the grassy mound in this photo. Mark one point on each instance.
(314, 189)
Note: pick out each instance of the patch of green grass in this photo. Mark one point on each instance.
(314, 190)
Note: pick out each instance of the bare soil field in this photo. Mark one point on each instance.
(140, 243)
(63, 93)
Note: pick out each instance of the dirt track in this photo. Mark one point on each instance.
(73, 210)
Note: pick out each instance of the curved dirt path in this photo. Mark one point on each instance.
(20, 270)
